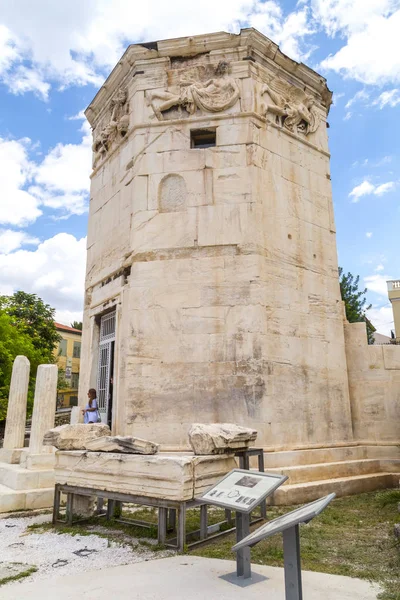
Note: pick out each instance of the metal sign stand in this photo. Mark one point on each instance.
(288, 525)
(242, 491)
(243, 562)
(292, 564)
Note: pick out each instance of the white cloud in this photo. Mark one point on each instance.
(380, 268)
(289, 32)
(389, 98)
(11, 240)
(59, 182)
(22, 79)
(382, 318)
(377, 283)
(384, 188)
(363, 189)
(76, 42)
(66, 317)
(369, 234)
(55, 271)
(361, 95)
(371, 50)
(17, 206)
(62, 179)
(366, 188)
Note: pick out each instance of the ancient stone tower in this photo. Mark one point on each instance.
(212, 289)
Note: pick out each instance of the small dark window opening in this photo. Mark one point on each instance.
(203, 138)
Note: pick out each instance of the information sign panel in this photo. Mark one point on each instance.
(304, 514)
(243, 490)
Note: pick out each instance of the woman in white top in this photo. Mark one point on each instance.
(91, 412)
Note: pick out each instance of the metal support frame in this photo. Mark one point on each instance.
(244, 463)
(171, 515)
(171, 526)
(243, 562)
(292, 564)
(162, 525)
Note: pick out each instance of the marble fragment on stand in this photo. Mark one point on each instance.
(75, 437)
(219, 438)
(125, 444)
(166, 476)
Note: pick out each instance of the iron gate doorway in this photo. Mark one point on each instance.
(106, 367)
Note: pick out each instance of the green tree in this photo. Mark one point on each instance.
(355, 302)
(35, 318)
(77, 325)
(62, 383)
(14, 341)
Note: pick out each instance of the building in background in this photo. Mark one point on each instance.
(68, 360)
(394, 297)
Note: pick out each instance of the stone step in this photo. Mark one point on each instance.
(28, 499)
(17, 478)
(293, 458)
(300, 493)
(331, 470)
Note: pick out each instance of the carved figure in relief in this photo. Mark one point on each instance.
(116, 128)
(292, 107)
(212, 95)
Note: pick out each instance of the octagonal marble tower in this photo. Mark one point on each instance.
(212, 287)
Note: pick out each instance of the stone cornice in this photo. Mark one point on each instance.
(259, 49)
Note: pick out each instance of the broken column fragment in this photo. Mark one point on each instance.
(220, 438)
(124, 444)
(75, 437)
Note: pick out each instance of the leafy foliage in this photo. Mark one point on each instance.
(13, 342)
(77, 325)
(355, 301)
(35, 318)
(62, 383)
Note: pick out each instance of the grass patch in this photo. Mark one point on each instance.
(119, 533)
(18, 576)
(353, 537)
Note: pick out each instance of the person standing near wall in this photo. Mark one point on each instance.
(91, 411)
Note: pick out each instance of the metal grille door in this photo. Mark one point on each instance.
(107, 336)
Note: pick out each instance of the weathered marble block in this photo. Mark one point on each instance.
(125, 444)
(167, 476)
(219, 438)
(75, 437)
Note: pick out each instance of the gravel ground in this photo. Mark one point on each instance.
(55, 554)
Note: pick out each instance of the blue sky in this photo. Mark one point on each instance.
(54, 57)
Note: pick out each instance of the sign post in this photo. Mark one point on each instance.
(242, 491)
(292, 563)
(288, 525)
(243, 562)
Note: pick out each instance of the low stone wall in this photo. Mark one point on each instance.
(374, 385)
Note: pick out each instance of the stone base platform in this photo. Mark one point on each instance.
(344, 470)
(181, 476)
(29, 484)
(167, 476)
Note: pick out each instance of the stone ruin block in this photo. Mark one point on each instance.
(220, 438)
(125, 444)
(75, 437)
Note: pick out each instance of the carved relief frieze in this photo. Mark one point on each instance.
(290, 107)
(117, 123)
(206, 88)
